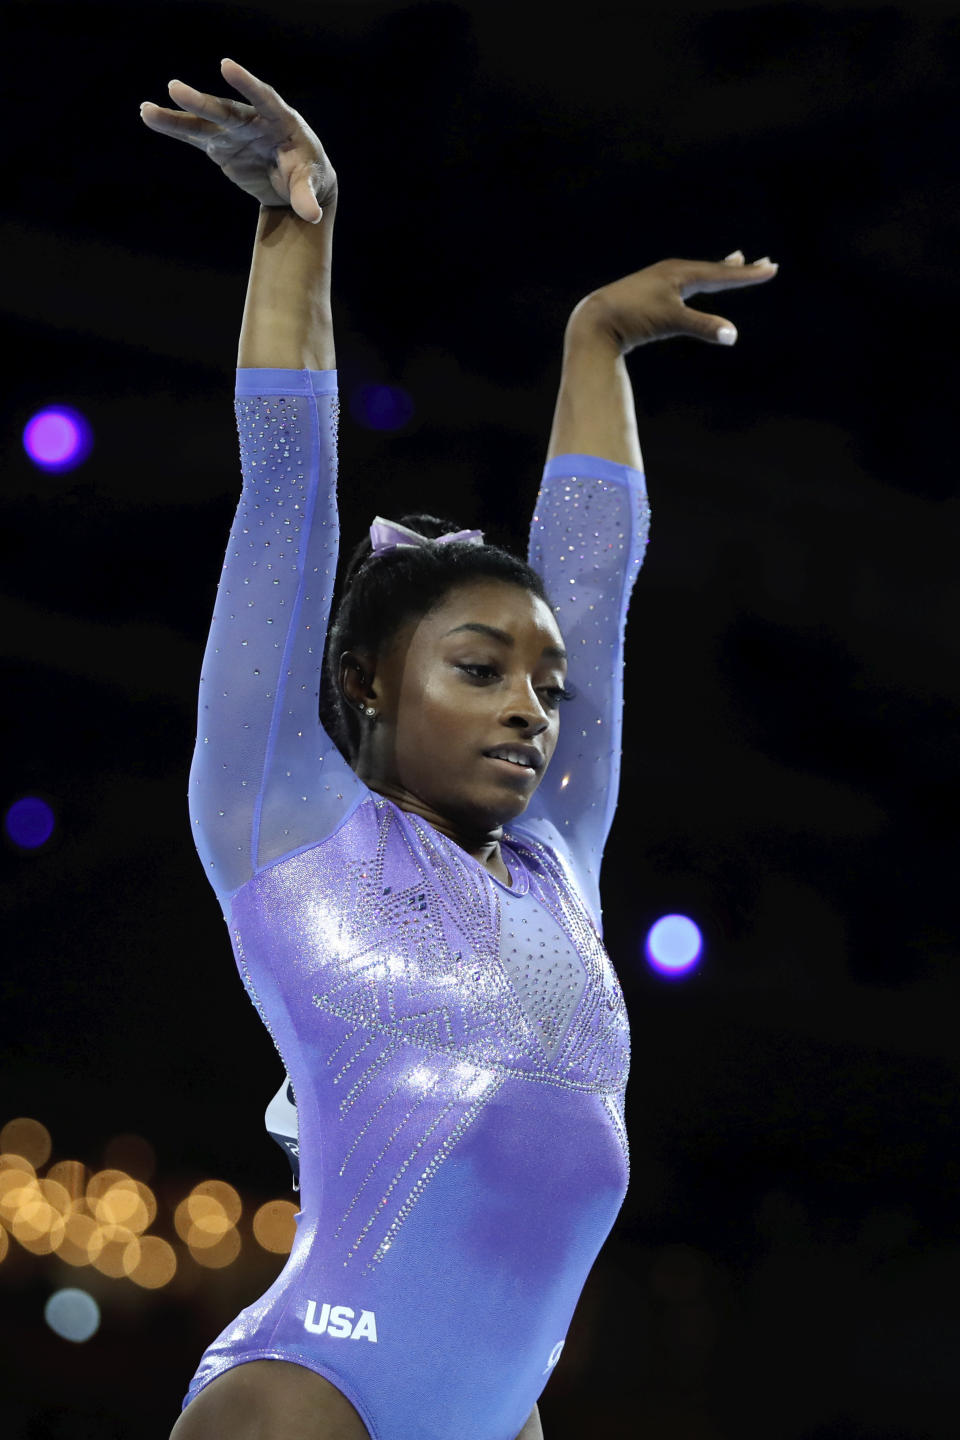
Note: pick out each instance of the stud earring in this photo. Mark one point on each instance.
(367, 709)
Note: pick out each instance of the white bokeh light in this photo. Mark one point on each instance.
(674, 945)
(72, 1314)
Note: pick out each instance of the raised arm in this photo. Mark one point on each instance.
(266, 780)
(589, 533)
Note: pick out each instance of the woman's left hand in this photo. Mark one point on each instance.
(265, 147)
(649, 304)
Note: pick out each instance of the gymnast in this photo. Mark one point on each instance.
(402, 811)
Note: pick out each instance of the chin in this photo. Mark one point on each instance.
(482, 813)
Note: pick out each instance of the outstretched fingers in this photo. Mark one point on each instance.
(713, 328)
(258, 92)
(227, 114)
(701, 277)
(190, 128)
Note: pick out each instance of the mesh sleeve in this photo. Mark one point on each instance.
(266, 779)
(587, 541)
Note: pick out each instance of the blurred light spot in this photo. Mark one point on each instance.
(201, 1219)
(126, 1203)
(56, 1195)
(224, 1194)
(29, 822)
(109, 1247)
(381, 407)
(673, 945)
(275, 1226)
(133, 1154)
(10, 1160)
(149, 1202)
(17, 1188)
(27, 1137)
(78, 1242)
(72, 1314)
(37, 1224)
(156, 1264)
(58, 438)
(72, 1175)
(223, 1251)
(100, 1182)
(4, 1243)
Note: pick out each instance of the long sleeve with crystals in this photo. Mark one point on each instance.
(266, 779)
(587, 540)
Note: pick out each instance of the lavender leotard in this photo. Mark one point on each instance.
(458, 1047)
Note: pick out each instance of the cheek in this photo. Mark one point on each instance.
(432, 717)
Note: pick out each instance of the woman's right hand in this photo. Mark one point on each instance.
(265, 147)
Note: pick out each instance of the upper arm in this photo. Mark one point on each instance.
(587, 541)
(266, 779)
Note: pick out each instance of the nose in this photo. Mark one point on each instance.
(524, 711)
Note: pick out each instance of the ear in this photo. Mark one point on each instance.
(356, 672)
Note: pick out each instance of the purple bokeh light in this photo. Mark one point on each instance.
(381, 407)
(674, 945)
(29, 822)
(58, 438)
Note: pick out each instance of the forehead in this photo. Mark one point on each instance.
(505, 607)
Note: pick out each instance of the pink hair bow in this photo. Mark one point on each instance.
(389, 535)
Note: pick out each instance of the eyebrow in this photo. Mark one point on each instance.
(553, 652)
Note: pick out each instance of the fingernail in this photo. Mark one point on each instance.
(770, 264)
(734, 255)
(726, 335)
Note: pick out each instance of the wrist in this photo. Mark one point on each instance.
(282, 208)
(591, 326)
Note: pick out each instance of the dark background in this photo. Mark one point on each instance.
(786, 1263)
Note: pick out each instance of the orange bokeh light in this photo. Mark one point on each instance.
(155, 1265)
(72, 1175)
(274, 1226)
(17, 1189)
(128, 1202)
(28, 1138)
(10, 1161)
(103, 1180)
(206, 1217)
(78, 1239)
(38, 1226)
(224, 1251)
(114, 1250)
(224, 1194)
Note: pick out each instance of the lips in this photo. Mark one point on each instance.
(513, 755)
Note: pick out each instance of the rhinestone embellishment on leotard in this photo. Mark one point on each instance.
(433, 1024)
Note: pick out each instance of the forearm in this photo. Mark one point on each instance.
(595, 413)
(287, 318)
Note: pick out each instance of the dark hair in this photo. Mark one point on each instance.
(380, 593)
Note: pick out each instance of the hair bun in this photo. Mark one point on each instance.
(429, 526)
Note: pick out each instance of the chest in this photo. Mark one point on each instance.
(399, 934)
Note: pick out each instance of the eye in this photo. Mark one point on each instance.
(489, 671)
(556, 694)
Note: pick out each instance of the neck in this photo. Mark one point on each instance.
(482, 844)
